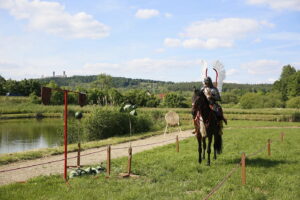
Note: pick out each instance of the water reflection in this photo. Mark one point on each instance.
(22, 135)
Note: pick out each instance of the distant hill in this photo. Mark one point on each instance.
(151, 85)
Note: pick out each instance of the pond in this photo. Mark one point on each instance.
(29, 134)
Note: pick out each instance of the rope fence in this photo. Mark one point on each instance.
(241, 164)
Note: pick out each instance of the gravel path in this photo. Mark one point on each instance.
(118, 150)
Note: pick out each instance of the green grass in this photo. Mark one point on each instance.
(165, 174)
(34, 154)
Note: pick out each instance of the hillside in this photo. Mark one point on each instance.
(152, 85)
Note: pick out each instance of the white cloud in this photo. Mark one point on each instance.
(211, 34)
(140, 66)
(228, 28)
(207, 44)
(160, 50)
(168, 15)
(146, 13)
(278, 4)
(294, 36)
(271, 80)
(257, 40)
(262, 67)
(231, 71)
(172, 42)
(52, 18)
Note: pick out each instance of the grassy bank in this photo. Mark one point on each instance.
(165, 174)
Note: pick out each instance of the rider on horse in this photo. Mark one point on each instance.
(212, 94)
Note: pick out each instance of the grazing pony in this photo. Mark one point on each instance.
(202, 114)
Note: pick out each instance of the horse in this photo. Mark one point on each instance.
(213, 126)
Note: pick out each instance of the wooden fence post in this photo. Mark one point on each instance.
(78, 155)
(243, 168)
(177, 144)
(269, 147)
(129, 160)
(108, 160)
(282, 135)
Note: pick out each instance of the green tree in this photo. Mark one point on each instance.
(293, 102)
(174, 100)
(103, 81)
(288, 83)
(2, 86)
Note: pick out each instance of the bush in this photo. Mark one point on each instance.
(174, 100)
(255, 100)
(229, 98)
(34, 98)
(250, 100)
(293, 102)
(104, 123)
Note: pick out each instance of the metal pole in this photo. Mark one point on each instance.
(243, 168)
(66, 132)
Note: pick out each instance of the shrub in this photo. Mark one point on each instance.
(255, 100)
(104, 123)
(34, 98)
(250, 100)
(174, 100)
(293, 102)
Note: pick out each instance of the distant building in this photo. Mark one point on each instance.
(64, 75)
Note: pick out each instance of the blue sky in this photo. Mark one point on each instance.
(157, 39)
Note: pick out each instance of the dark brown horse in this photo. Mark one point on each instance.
(212, 125)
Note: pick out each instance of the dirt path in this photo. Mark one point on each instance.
(118, 150)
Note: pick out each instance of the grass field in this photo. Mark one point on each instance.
(165, 174)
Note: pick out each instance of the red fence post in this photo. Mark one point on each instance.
(108, 160)
(269, 147)
(66, 132)
(177, 144)
(243, 168)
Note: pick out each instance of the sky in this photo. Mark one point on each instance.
(159, 39)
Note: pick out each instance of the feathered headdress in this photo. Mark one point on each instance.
(204, 69)
(218, 67)
(220, 74)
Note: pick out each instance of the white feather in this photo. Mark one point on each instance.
(221, 74)
(203, 70)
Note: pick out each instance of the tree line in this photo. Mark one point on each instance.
(107, 90)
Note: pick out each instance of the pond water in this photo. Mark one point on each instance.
(29, 134)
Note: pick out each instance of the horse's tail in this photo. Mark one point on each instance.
(218, 143)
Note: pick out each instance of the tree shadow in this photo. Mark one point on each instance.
(260, 162)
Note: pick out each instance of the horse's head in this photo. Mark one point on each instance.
(198, 99)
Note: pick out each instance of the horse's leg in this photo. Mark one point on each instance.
(204, 147)
(208, 149)
(215, 153)
(199, 146)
